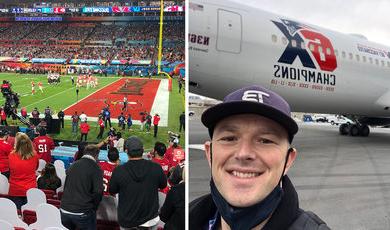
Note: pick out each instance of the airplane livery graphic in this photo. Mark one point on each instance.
(319, 45)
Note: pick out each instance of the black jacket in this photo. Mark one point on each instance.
(172, 213)
(137, 182)
(61, 115)
(287, 215)
(83, 189)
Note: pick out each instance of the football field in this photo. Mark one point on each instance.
(57, 97)
(153, 97)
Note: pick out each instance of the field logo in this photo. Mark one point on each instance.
(317, 44)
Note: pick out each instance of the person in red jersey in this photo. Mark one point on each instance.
(23, 162)
(5, 150)
(23, 112)
(44, 145)
(158, 153)
(40, 86)
(158, 156)
(109, 166)
(3, 116)
(156, 120)
(84, 129)
(175, 154)
(101, 126)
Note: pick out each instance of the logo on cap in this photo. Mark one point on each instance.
(254, 95)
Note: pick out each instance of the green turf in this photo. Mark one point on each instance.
(64, 95)
(56, 96)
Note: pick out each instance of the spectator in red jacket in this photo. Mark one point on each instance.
(101, 125)
(3, 117)
(84, 129)
(23, 162)
(23, 112)
(156, 120)
(5, 150)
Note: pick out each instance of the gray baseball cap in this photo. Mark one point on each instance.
(254, 100)
(134, 145)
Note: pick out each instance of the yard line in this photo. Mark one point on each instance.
(50, 97)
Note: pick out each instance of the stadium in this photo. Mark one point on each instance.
(81, 75)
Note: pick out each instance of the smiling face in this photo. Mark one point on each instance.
(248, 156)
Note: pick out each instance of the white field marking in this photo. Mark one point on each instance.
(161, 103)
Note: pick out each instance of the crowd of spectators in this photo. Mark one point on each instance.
(139, 41)
(45, 31)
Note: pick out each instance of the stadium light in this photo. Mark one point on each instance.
(161, 41)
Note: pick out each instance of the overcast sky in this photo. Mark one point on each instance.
(369, 18)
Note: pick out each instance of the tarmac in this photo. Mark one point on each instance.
(344, 180)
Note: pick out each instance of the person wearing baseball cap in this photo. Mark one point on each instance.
(249, 155)
(137, 181)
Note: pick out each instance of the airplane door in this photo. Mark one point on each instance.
(229, 31)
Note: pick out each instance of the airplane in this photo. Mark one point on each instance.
(316, 70)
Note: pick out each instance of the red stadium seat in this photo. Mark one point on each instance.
(49, 193)
(29, 217)
(59, 195)
(107, 225)
(54, 202)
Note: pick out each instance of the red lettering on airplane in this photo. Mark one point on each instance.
(325, 57)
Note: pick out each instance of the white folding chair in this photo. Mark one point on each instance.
(35, 197)
(5, 225)
(62, 178)
(4, 185)
(161, 199)
(41, 166)
(9, 213)
(59, 164)
(47, 216)
(107, 209)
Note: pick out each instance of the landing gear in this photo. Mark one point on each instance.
(354, 130)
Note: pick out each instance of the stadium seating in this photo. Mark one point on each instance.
(47, 216)
(4, 185)
(5, 225)
(42, 164)
(29, 216)
(50, 194)
(9, 213)
(54, 202)
(59, 164)
(35, 197)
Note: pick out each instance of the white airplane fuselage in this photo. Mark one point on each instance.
(316, 70)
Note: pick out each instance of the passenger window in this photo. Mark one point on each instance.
(350, 56)
(370, 60)
(376, 62)
(383, 63)
(294, 43)
(364, 58)
(274, 38)
(343, 54)
(284, 41)
(357, 57)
